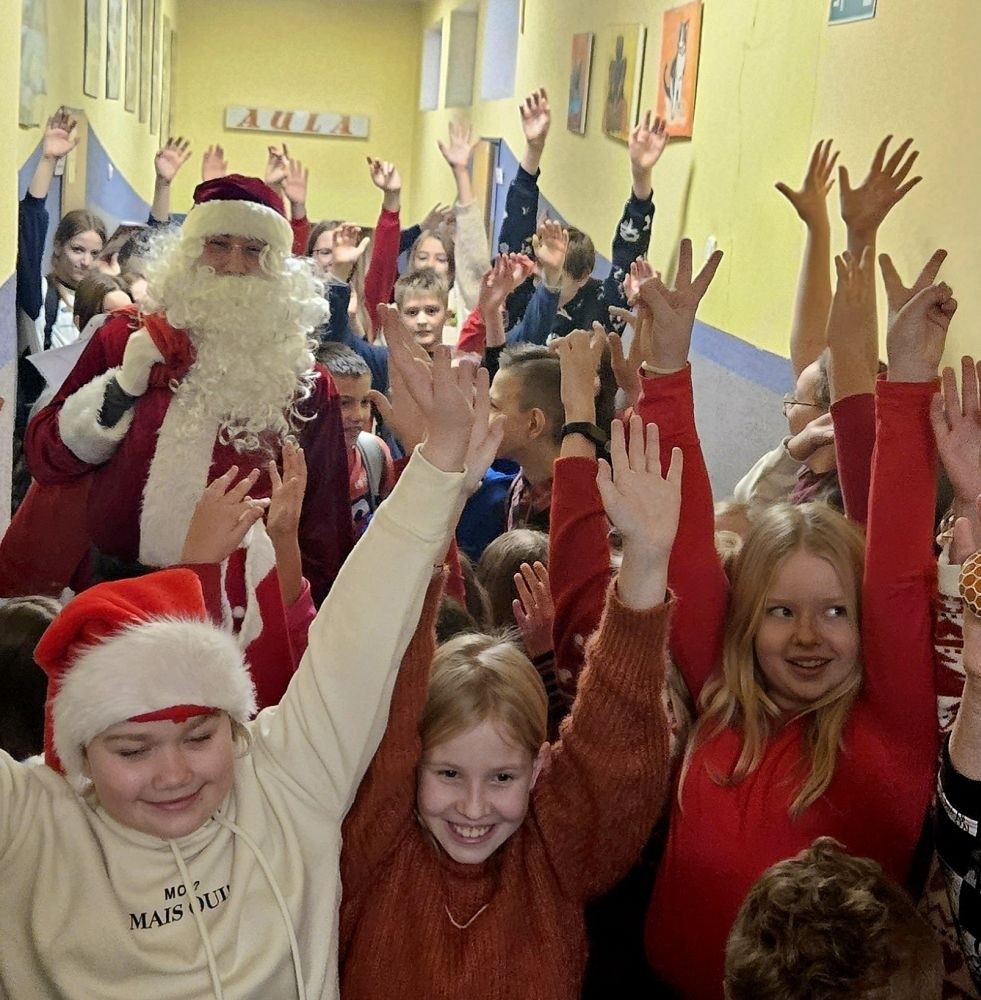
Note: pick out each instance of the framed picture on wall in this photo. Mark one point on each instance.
(681, 35)
(624, 65)
(114, 49)
(33, 62)
(93, 48)
(155, 69)
(133, 10)
(582, 59)
(146, 56)
(166, 43)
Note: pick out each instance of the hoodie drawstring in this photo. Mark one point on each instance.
(199, 920)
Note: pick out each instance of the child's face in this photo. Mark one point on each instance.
(808, 641)
(355, 405)
(431, 253)
(71, 260)
(424, 315)
(505, 397)
(473, 791)
(163, 778)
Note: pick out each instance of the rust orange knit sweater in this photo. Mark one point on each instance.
(589, 815)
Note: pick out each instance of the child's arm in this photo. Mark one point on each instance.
(295, 186)
(551, 242)
(900, 572)
(807, 333)
(166, 164)
(578, 539)
(695, 572)
(608, 777)
(283, 521)
(471, 250)
(383, 268)
(632, 237)
(521, 205)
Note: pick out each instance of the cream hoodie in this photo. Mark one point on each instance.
(245, 907)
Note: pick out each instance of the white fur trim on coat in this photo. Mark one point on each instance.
(177, 478)
(146, 668)
(79, 427)
(239, 218)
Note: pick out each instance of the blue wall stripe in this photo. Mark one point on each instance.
(762, 368)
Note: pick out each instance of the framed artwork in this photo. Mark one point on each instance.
(681, 34)
(133, 11)
(625, 68)
(166, 50)
(155, 68)
(33, 62)
(93, 48)
(114, 50)
(146, 56)
(582, 59)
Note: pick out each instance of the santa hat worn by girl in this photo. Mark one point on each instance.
(236, 205)
(136, 650)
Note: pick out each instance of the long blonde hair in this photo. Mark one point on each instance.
(736, 695)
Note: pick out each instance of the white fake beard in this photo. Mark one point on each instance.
(254, 366)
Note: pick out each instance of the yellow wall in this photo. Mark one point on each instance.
(313, 55)
(130, 145)
(9, 161)
(773, 79)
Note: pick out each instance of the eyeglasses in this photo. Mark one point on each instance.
(789, 401)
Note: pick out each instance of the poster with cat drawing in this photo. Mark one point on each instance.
(681, 33)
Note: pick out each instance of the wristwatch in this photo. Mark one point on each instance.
(591, 432)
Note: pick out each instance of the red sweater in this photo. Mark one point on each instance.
(383, 268)
(726, 837)
(589, 815)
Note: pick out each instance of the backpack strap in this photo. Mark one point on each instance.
(373, 458)
(51, 302)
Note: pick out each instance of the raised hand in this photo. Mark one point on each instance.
(437, 217)
(818, 433)
(222, 518)
(60, 137)
(536, 118)
(645, 145)
(347, 247)
(863, 208)
(296, 182)
(640, 271)
(384, 175)
(811, 201)
(580, 354)
(917, 334)
(458, 149)
(550, 243)
(502, 278)
(897, 294)
(626, 365)
(139, 357)
(673, 310)
(286, 501)
(277, 166)
(213, 163)
(173, 156)
(644, 507)
(533, 610)
(853, 340)
(956, 420)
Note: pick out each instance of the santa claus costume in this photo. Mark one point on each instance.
(233, 380)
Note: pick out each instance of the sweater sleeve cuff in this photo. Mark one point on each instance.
(959, 796)
(78, 422)
(671, 398)
(896, 394)
(642, 204)
(525, 179)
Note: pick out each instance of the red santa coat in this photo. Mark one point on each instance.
(149, 470)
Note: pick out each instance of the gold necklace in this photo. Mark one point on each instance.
(463, 927)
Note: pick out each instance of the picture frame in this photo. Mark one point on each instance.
(579, 73)
(114, 49)
(133, 30)
(92, 59)
(624, 61)
(681, 35)
(155, 68)
(166, 69)
(146, 56)
(33, 63)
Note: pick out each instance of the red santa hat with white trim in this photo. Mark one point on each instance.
(236, 205)
(137, 650)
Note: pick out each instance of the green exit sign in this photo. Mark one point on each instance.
(843, 11)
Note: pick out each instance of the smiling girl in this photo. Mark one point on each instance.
(473, 843)
(813, 673)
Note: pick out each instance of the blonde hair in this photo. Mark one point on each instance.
(736, 695)
(476, 677)
(425, 281)
(498, 564)
(825, 925)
